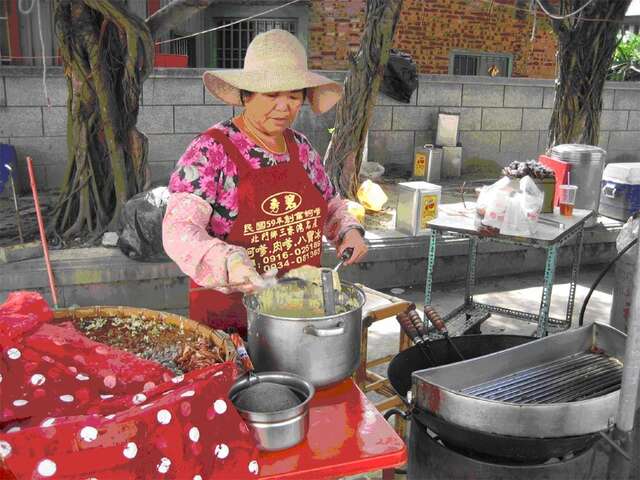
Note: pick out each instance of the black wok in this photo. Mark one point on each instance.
(408, 361)
(475, 443)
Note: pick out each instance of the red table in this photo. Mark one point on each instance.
(347, 436)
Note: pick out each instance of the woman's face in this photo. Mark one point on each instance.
(273, 112)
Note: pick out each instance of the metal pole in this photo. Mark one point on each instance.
(619, 467)
(43, 235)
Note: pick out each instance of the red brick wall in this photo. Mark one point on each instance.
(429, 29)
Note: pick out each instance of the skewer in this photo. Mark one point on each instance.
(439, 324)
(411, 331)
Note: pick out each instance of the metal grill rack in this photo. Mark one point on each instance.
(575, 377)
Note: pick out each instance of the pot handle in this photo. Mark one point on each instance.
(325, 332)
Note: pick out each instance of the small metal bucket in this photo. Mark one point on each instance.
(282, 429)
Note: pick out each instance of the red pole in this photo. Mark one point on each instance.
(43, 236)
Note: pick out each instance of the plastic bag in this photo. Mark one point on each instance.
(141, 236)
(628, 233)
(371, 196)
(492, 203)
(521, 216)
(400, 77)
(510, 206)
(371, 170)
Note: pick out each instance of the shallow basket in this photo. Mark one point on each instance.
(219, 338)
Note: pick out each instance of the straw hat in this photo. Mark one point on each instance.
(275, 62)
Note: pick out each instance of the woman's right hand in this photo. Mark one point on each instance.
(243, 276)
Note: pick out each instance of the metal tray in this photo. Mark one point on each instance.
(439, 390)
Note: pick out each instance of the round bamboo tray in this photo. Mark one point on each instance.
(219, 338)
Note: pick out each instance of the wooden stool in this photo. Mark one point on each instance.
(380, 306)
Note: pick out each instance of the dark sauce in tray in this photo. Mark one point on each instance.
(152, 340)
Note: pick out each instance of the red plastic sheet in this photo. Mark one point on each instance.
(72, 408)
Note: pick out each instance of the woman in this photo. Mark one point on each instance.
(250, 197)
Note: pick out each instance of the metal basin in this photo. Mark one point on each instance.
(475, 443)
(444, 391)
(282, 429)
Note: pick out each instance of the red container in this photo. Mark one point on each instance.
(561, 170)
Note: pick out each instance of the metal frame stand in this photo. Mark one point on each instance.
(468, 317)
(622, 457)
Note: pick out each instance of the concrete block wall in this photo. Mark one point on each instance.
(500, 119)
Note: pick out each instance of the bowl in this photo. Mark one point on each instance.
(282, 429)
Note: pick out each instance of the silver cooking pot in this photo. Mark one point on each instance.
(323, 349)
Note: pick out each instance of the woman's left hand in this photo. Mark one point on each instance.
(353, 239)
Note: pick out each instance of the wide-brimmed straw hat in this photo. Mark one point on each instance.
(275, 62)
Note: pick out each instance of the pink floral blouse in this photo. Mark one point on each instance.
(204, 202)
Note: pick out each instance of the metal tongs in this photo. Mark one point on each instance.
(551, 223)
(328, 294)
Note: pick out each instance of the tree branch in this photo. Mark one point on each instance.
(354, 111)
(174, 14)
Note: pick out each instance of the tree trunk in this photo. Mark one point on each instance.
(585, 53)
(107, 54)
(353, 114)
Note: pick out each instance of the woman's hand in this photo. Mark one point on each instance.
(353, 239)
(243, 276)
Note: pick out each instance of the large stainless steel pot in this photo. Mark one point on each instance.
(587, 165)
(323, 350)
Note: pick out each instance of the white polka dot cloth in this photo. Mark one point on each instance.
(94, 412)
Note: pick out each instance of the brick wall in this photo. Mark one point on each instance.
(428, 30)
(500, 119)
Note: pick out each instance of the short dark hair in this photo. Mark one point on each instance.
(244, 94)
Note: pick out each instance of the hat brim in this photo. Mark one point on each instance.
(323, 93)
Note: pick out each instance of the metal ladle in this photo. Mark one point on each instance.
(328, 293)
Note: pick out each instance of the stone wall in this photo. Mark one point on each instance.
(430, 30)
(501, 119)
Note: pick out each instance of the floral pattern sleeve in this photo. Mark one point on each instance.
(206, 171)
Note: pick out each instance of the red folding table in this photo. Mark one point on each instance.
(347, 436)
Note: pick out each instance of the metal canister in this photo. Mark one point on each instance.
(427, 163)
(417, 206)
(587, 165)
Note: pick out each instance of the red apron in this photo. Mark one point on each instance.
(279, 223)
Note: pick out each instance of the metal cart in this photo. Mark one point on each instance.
(458, 220)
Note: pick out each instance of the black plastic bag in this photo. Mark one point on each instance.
(141, 236)
(400, 77)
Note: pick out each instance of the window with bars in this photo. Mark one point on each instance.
(5, 50)
(483, 64)
(230, 43)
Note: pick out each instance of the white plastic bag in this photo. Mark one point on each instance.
(510, 206)
(492, 203)
(628, 233)
(371, 170)
(523, 210)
